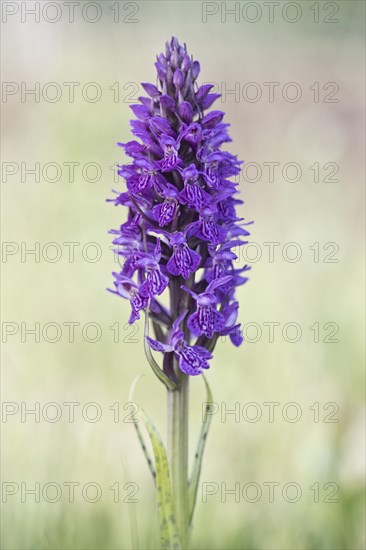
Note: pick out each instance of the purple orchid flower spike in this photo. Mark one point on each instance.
(182, 225)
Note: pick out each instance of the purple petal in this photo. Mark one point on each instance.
(183, 261)
(142, 112)
(219, 282)
(186, 111)
(211, 119)
(194, 325)
(178, 78)
(158, 346)
(173, 267)
(160, 125)
(202, 92)
(236, 335)
(209, 100)
(167, 102)
(195, 69)
(191, 359)
(150, 89)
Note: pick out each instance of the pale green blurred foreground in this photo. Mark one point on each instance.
(317, 461)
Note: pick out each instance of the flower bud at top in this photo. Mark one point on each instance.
(178, 78)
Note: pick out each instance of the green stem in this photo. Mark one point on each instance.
(178, 454)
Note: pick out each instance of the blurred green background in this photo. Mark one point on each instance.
(324, 379)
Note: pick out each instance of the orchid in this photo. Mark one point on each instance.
(180, 239)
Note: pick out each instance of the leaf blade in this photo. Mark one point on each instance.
(139, 432)
(197, 466)
(169, 533)
(153, 364)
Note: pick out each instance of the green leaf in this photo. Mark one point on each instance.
(139, 432)
(153, 364)
(169, 534)
(197, 466)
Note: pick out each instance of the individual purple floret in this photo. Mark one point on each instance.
(183, 260)
(182, 233)
(192, 359)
